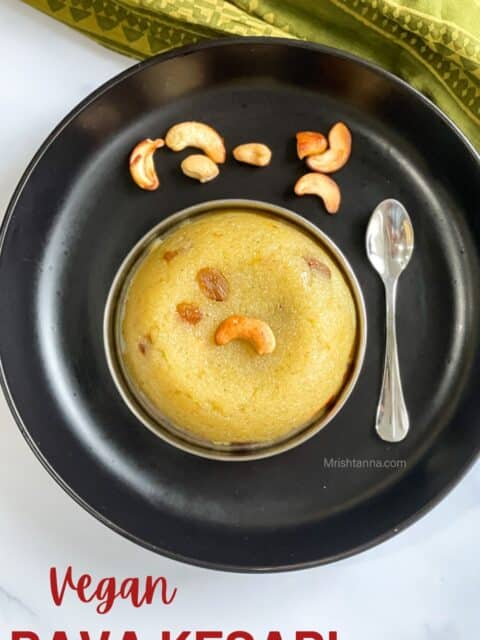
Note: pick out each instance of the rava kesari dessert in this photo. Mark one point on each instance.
(237, 327)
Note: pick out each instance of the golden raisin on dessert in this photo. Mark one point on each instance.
(189, 312)
(213, 284)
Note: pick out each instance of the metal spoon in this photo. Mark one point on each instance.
(389, 249)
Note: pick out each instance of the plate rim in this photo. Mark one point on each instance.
(10, 210)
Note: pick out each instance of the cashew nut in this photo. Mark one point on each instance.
(340, 147)
(254, 153)
(199, 167)
(141, 164)
(253, 330)
(310, 143)
(198, 135)
(322, 186)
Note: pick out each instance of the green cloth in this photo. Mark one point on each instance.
(433, 44)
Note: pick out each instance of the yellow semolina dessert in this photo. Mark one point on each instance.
(209, 275)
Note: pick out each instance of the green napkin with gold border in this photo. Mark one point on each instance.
(433, 44)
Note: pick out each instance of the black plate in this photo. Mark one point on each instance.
(76, 214)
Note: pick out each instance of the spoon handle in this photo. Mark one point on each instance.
(392, 422)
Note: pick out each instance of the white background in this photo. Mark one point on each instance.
(422, 584)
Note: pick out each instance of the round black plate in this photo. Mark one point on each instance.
(77, 213)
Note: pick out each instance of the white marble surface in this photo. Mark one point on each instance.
(422, 584)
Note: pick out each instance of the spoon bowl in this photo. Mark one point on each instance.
(390, 238)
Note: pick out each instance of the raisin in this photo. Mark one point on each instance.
(213, 284)
(189, 312)
(143, 344)
(170, 255)
(317, 265)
